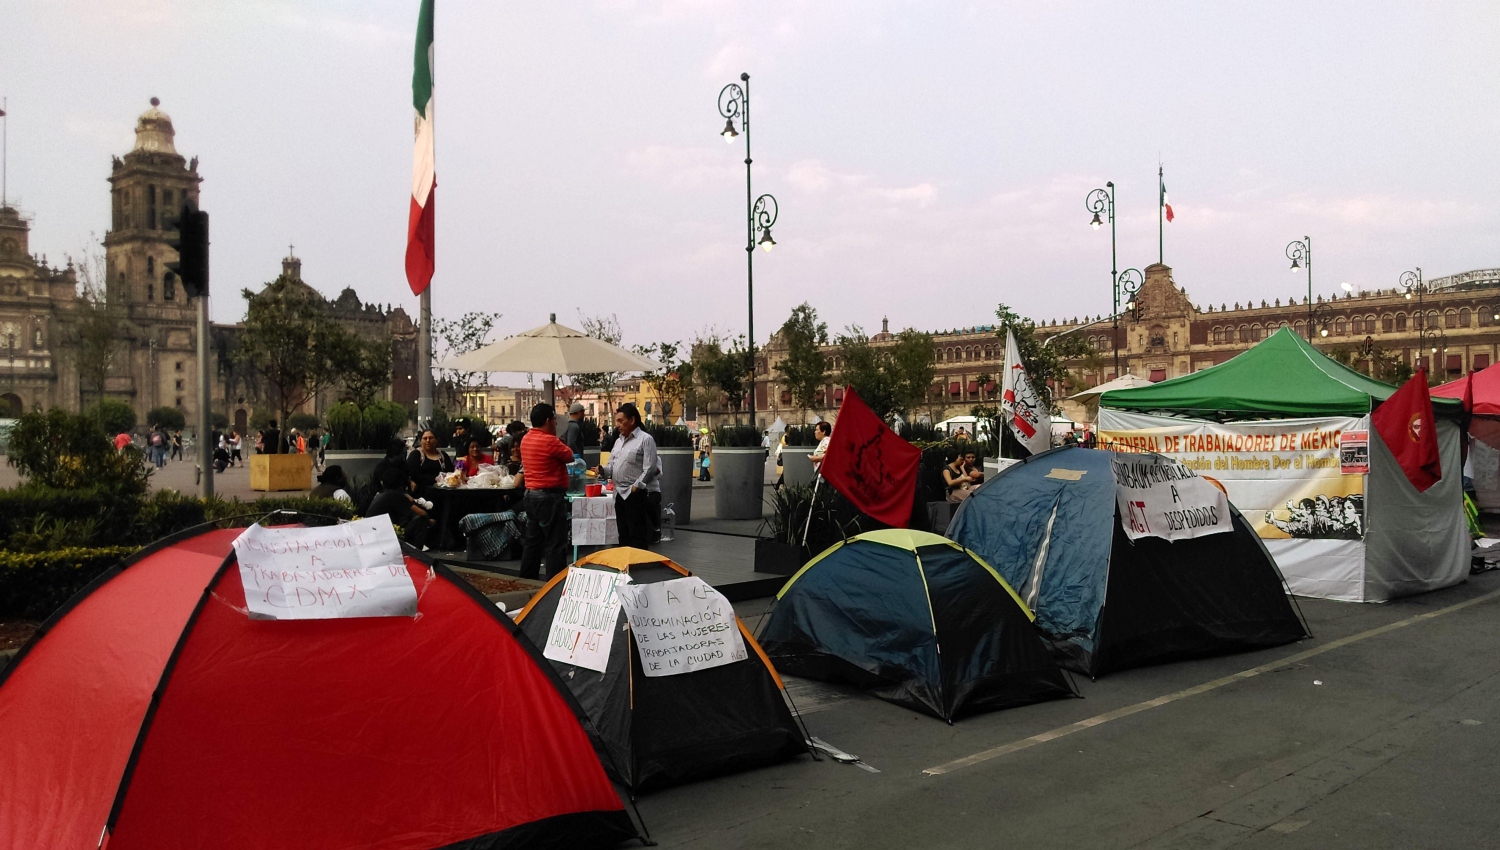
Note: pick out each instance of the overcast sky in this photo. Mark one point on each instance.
(930, 159)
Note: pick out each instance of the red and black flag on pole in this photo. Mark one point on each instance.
(870, 465)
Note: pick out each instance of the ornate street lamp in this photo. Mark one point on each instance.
(1300, 253)
(1101, 202)
(1130, 282)
(1319, 318)
(760, 213)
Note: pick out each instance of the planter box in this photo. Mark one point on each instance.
(276, 473)
(739, 482)
(796, 469)
(677, 482)
(773, 556)
(358, 464)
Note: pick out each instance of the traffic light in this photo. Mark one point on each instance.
(191, 242)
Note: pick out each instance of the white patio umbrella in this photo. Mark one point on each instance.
(1089, 398)
(551, 349)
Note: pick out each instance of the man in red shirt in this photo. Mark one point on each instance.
(544, 463)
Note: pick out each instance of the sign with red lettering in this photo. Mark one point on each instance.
(351, 570)
(586, 619)
(682, 625)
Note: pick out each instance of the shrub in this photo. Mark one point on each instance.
(302, 421)
(802, 435)
(668, 436)
(218, 421)
(169, 418)
(113, 415)
(69, 450)
(736, 437)
(35, 584)
(370, 429)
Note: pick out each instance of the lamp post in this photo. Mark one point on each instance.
(1131, 281)
(1319, 318)
(1300, 253)
(1102, 202)
(760, 213)
(1412, 282)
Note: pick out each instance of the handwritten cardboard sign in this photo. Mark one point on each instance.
(681, 625)
(351, 570)
(587, 617)
(1160, 497)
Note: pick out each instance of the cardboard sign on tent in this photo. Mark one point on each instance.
(1269, 426)
(152, 711)
(669, 729)
(1051, 526)
(915, 619)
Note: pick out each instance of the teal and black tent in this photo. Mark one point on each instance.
(915, 619)
(1050, 526)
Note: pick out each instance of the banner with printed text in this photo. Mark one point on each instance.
(1286, 476)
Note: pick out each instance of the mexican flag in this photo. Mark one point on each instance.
(419, 225)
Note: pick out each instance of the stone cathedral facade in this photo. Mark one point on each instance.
(155, 353)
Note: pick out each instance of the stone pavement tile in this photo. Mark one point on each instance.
(1201, 833)
(1270, 803)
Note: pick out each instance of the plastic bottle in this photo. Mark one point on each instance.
(577, 474)
(668, 524)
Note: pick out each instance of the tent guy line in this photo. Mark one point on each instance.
(1126, 711)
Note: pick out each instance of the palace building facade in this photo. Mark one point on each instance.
(1450, 325)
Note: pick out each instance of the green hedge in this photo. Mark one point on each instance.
(34, 584)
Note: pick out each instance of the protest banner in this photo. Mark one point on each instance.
(355, 569)
(1159, 497)
(1285, 475)
(584, 625)
(682, 625)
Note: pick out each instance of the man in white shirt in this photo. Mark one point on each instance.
(636, 470)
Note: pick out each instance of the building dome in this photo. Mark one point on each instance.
(153, 131)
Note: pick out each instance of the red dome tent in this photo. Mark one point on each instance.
(1480, 393)
(152, 712)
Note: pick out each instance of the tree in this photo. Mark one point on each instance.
(169, 418)
(804, 369)
(113, 415)
(728, 372)
(72, 451)
(469, 332)
(1044, 363)
(606, 329)
(665, 384)
(1380, 363)
(95, 330)
(290, 339)
(368, 371)
(889, 378)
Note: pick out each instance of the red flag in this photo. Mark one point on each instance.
(1404, 421)
(870, 465)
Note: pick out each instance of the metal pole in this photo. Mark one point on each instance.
(4, 151)
(424, 360)
(1161, 192)
(1307, 241)
(749, 244)
(1114, 276)
(205, 420)
(817, 479)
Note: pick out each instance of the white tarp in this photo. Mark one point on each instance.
(1159, 497)
(682, 625)
(355, 569)
(584, 625)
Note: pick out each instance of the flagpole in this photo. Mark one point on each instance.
(1161, 202)
(424, 360)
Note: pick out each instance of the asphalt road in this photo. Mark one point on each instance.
(1387, 740)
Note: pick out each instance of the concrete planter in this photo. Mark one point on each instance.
(739, 482)
(358, 464)
(796, 469)
(677, 482)
(276, 473)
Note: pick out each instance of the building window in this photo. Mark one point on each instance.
(179, 365)
(169, 287)
(179, 402)
(179, 385)
(151, 266)
(37, 340)
(1388, 323)
(150, 291)
(1174, 339)
(1464, 320)
(1450, 319)
(1486, 317)
(1400, 321)
(1339, 327)
(1301, 328)
(166, 200)
(151, 207)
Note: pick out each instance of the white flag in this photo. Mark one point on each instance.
(1019, 403)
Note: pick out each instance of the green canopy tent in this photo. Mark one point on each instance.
(1286, 431)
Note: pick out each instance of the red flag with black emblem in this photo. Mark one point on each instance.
(1404, 421)
(870, 465)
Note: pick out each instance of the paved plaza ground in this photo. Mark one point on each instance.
(1381, 731)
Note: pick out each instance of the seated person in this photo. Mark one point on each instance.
(427, 461)
(962, 475)
(472, 458)
(395, 500)
(221, 459)
(333, 484)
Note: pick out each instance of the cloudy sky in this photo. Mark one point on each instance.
(931, 159)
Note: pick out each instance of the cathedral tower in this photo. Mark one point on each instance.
(148, 187)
